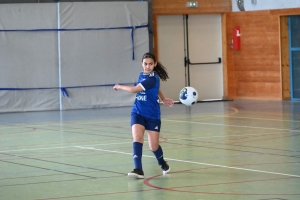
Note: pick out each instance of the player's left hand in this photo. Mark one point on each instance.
(168, 102)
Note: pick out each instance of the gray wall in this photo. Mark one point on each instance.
(51, 1)
(35, 65)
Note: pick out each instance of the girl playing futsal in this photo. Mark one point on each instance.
(145, 114)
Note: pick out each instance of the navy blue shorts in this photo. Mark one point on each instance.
(148, 123)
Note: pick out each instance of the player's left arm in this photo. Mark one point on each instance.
(166, 101)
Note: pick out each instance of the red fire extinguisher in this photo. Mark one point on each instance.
(236, 38)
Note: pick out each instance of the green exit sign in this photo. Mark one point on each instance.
(192, 4)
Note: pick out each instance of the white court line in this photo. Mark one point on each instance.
(64, 147)
(37, 149)
(172, 139)
(170, 120)
(266, 119)
(176, 160)
(197, 163)
(224, 136)
(255, 127)
(58, 124)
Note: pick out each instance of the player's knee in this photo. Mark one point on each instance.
(138, 138)
(153, 147)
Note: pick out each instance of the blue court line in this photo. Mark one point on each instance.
(132, 28)
(72, 29)
(64, 89)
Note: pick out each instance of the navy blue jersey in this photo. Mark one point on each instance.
(146, 102)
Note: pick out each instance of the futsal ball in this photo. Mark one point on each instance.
(188, 96)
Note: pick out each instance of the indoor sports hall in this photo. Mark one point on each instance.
(65, 132)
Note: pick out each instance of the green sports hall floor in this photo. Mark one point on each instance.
(233, 150)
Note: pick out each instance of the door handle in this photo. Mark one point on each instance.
(187, 61)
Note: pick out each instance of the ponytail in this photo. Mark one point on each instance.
(161, 71)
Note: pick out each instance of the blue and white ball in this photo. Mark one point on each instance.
(188, 96)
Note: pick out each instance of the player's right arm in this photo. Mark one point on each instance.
(132, 89)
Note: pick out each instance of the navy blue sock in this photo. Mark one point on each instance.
(159, 155)
(137, 155)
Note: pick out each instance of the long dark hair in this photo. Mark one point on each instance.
(159, 69)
